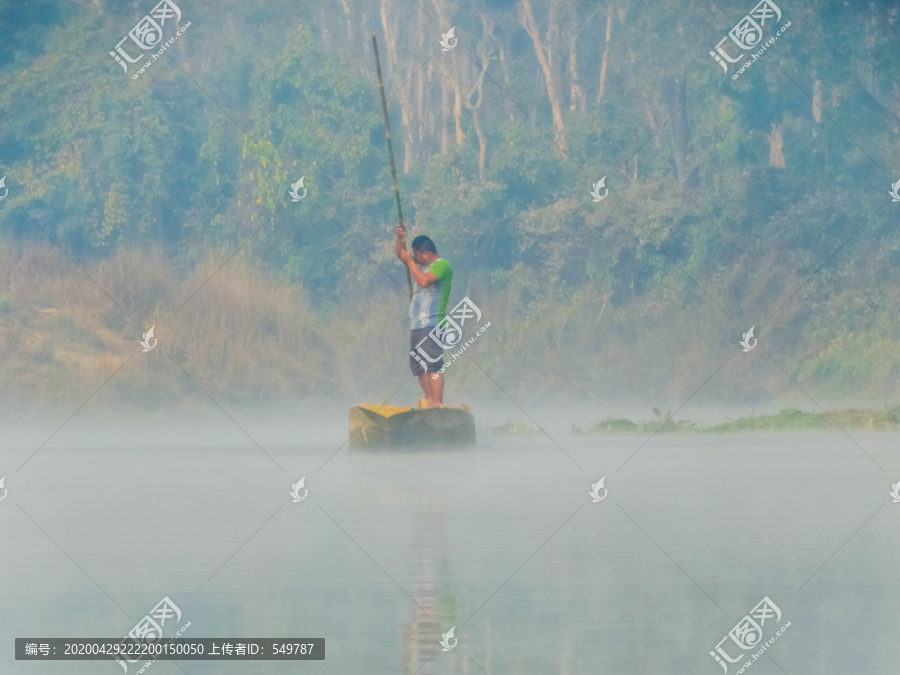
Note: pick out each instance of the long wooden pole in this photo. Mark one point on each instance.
(387, 133)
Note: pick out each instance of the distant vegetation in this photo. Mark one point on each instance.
(790, 419)
(514, 429)
(730, 201)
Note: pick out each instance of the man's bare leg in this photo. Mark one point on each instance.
(425, 383)
(433, 388)
(437, 387)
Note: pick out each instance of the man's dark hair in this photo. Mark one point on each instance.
(423, 243)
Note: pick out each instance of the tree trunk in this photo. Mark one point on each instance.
(421, 114)
(577, 93)
(457, 111)
(531, 27)
(324, 30)
(605, 59)
(486, 55)
(552, 46)
(420, 86)
(509, 105)
(776, 143)
(817, 100)
(445, 114)
(673, 92)
(349, 24)
(452, 74)
(482, 144)
(652, 119)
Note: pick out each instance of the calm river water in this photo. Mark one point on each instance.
(504, 542)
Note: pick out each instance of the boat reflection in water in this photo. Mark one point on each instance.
(433, 609)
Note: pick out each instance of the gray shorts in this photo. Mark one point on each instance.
(433, 358)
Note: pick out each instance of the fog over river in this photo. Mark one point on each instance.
(388, 552)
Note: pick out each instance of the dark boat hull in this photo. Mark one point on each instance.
(374, 427)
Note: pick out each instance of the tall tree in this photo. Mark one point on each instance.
(674, 95)
(540, 50)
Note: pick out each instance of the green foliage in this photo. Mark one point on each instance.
(625, 426)
(619, 426)
(788, 419)
(512, 428)
(195, 159)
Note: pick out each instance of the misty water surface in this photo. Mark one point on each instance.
(504, 542)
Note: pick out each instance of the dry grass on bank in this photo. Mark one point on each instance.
(234, 332)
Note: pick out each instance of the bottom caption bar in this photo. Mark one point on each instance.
(196, 649)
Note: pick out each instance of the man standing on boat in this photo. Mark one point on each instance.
(432, 276)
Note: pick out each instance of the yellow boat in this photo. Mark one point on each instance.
(389, 427)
